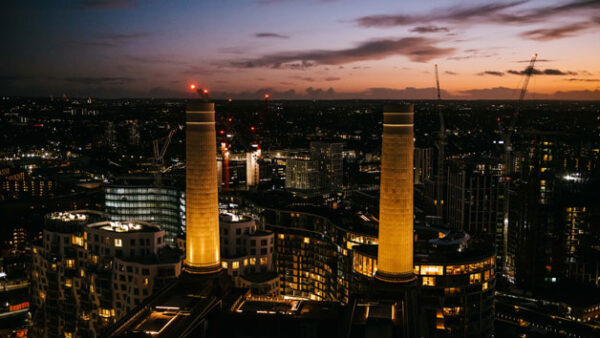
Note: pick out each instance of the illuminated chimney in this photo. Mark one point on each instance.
(395, 256)
(202, 253)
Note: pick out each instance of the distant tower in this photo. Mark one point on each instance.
(110, 134)
(395, 257)
(202, 213)
(134, 134)
(252, 168)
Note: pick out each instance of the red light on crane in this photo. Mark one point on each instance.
(229, 119)
(252, 128)
(267, 96)
(192, 86)
(229, 100)
(205, 91)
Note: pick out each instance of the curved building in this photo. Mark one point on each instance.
(88, 271)
(456, 278)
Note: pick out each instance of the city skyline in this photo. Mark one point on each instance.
(301, 50)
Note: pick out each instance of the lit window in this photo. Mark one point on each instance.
(432, 270)
(452, 311)
(69, 263)
(484, 286)
(252, 261)
(263, 260)
(146, 281)
(428, 281)
(224, 265)
(235, 265)
(68, 282)
(118, 242)
(106, 313)
(281, 236)
(76, 240)
(306, 240)
(245, 261)
(475, 278)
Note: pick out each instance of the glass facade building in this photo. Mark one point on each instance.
(140, 199)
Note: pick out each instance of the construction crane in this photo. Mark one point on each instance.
(439, 193)
(159, 155)
(506, 134)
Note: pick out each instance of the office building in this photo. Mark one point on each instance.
(145, 199)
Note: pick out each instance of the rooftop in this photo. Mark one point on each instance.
(125, 227)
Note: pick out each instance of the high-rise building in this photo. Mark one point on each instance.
(330, 164)
(88, 272)
(475, 201)
(423, 165)
(252, 168)
(144, 199)
(301, 173)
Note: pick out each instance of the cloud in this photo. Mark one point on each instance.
(542, 14)
(583, 80)
(106, 4)
(110, 39)
(417, 49)
(429, 29)
(536, 71)
(450, 73)
(271, 35)
(491, 72)
(304, 78)
(154, 59)
(547, 34)
(121, 36)
(100, 80)
(445, 14)
(475, 53)
(536, 60)
(496, 12)
(332, 78)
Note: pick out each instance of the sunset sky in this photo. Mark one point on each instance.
(299, 48)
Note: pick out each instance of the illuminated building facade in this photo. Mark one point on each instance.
(313, 252)
(301, 173)
(252, 168)
(456, 281)
(247, 255)
(23, 185)
(88, 272)
(202, 205)
(140, 198)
